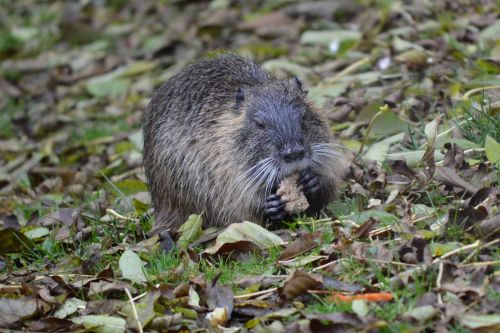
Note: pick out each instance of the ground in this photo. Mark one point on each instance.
(410, 88)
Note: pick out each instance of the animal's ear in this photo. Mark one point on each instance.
(298, 84)
(239, 98)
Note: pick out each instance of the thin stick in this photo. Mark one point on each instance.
(476, 90)
(140, 296)
(134, 310)
(326, 221)
(257, 293)
(327, 265)
(379, 231)
(476, 251)
(349, 69)
(480, 264)
(397, 263)
(463, 248)
(118, 215)
(370, 125)
(438, 282)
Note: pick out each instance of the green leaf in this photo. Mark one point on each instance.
(132, 267)
(491, 32)
(492, 149)
(413, 158)
(129, 186)
(381, 216)
(69, 307)
(37, 232)
(319, 93)
(378, 151)
(144, 308)
(360, 307)
(289, 67)
(491, 321)
(438, 249)
(326, 37)
(108, 88)
(422, 313)
(101, 323)
(190, 230)
(12, 241)
(246, 231)
(137, 68)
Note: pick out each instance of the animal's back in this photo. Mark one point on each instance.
(209, 82)
(183, 153)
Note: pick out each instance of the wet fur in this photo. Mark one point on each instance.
(204, 154)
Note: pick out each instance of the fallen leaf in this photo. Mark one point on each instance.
(492, 149)
(102, 323)
(297, 284)
(69, 307)
(132, 267)
(245, 231)
(12, 241)
(422, 313)
(451, 177)
(300, 245)
(481, 323)
(14, 310)
(190, 230)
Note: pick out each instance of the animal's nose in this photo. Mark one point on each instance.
(293, 153)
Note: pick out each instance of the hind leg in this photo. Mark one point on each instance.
(166, 222)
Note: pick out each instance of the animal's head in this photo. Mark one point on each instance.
(280, 133)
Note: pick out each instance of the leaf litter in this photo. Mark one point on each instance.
(411, 89)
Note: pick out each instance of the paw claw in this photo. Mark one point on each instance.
(310, 182)
(275, 208)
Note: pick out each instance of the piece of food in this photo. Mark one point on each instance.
(291, 193)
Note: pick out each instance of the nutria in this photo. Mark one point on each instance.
(220, 136)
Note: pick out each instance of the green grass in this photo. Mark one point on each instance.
(323, 305)
(9, 109)
(481, 120)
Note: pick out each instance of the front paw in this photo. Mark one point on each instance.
(275, 208)
(310, 183)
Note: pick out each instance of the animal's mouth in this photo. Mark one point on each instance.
(289, 168)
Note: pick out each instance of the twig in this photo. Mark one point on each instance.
(438, 282)
(327, 265)
(449, 130)
(476, 251)
(463, 248)
(134, 310)
(480, 264)
(139, 296)
(326, 221)
(119, 216)
(349, 69)
(257, 293)
(382, 110)
(476, 90)
(397, 263)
